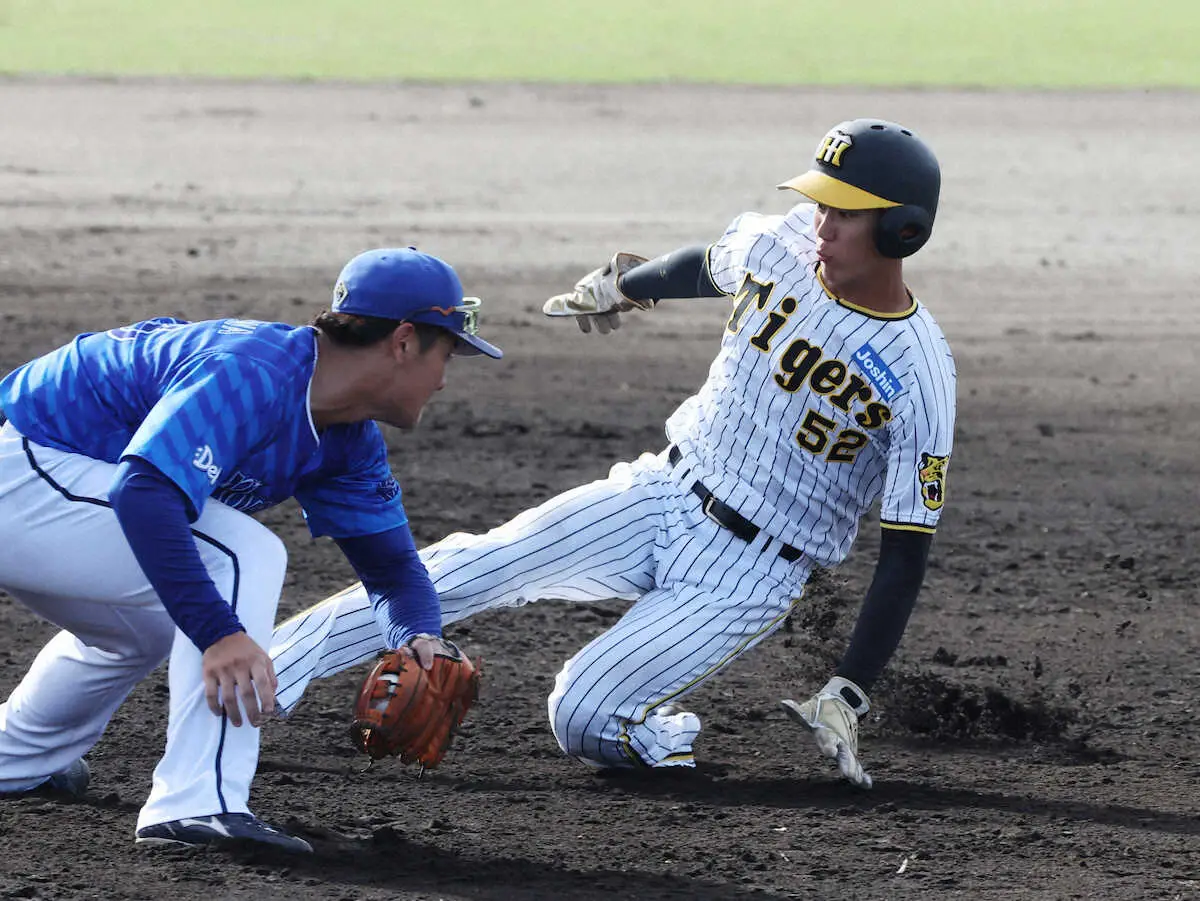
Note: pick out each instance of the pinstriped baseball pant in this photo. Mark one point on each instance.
(701, 597)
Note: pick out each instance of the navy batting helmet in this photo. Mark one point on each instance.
(869, 164)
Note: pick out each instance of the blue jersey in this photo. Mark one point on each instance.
(220, 408)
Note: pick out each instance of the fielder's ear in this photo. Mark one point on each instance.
(404, 340)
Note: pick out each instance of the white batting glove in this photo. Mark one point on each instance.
(596, 299)
(832, 716)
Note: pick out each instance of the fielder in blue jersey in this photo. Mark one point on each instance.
(129, 463)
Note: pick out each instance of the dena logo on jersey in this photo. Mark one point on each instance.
(203, 460)
(877, 371)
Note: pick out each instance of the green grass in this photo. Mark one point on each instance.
(987, 43)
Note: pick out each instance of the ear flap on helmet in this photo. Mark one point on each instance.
(902, 231)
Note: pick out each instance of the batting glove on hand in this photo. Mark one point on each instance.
(832, 716)
(596, 297)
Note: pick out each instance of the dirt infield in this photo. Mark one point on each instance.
(1038, 733)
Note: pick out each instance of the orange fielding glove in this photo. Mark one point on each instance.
(407, 712)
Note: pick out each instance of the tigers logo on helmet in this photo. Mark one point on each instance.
(835, 144)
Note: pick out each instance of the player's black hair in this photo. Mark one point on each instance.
(352, 330)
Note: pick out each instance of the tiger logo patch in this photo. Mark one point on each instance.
(932, 475)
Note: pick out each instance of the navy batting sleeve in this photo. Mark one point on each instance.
(888, 605)
(401, 592)
(153, 513)
(680, 273)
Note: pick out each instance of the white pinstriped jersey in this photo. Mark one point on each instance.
(814, 408)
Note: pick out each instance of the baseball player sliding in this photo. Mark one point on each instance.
(129, 463)
(833, 388)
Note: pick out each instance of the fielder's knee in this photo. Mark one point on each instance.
(259, 556)
(252, 577)
(142, 643)
(270, 553)
(158, 636)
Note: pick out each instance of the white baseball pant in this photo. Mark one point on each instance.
(64, 556)
(702, 597)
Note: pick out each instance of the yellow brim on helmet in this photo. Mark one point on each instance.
(828, 191)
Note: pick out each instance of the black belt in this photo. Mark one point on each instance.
(727, 517)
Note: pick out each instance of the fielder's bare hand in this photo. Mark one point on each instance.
(235, 667)
(596, 299)
(832, 717)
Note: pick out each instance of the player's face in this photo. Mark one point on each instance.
(846, 246)
(419, 374)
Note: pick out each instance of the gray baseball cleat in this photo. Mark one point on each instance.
(72, 781)
(229, 829)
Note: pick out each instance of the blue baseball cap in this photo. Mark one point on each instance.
(404, 284)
